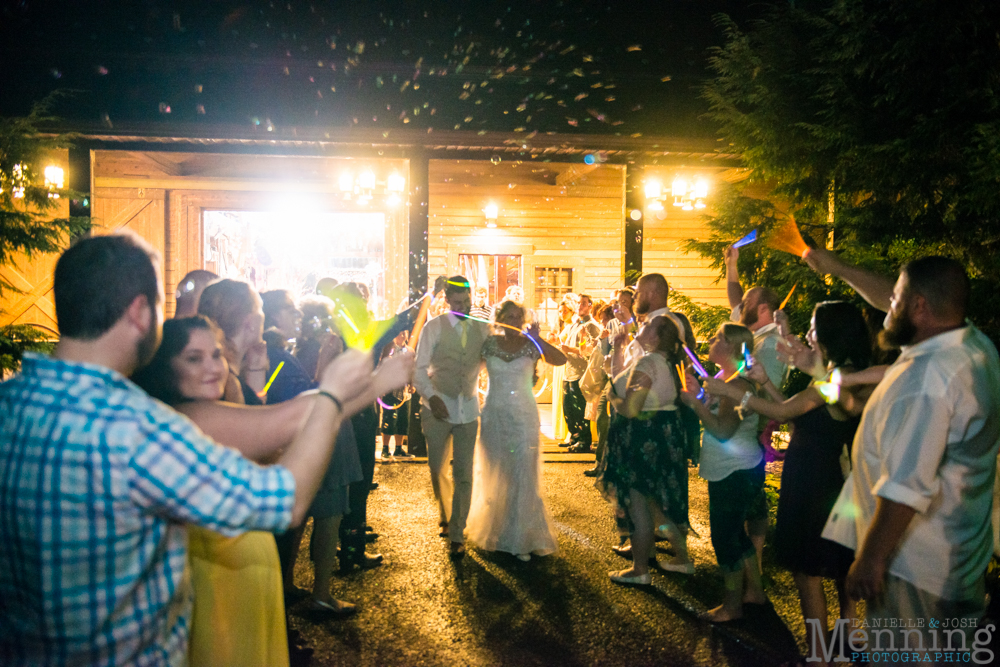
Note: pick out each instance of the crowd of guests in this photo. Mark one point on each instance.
(156, 545)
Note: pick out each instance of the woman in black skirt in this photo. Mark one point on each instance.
(823, 432)
(644, 471)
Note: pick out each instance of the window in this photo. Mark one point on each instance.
(551, 285)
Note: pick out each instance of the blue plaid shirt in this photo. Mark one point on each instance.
(97, 482)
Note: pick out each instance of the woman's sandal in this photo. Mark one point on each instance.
(337, 609)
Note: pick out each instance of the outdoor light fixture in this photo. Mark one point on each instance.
(54, 179)
(492, 213)
(687, 194)
(364, 187)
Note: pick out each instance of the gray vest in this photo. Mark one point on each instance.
(454, 370)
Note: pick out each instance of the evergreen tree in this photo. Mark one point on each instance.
(875, 123)
(27, 226)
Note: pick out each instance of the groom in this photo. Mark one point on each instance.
(447, 372)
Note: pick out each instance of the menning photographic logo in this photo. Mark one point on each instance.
(874, 642)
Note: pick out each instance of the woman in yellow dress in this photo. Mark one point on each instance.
(239, 611)
(567, 307)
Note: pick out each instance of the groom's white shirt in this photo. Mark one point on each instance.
(461, 409)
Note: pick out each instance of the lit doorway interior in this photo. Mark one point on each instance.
(495, 273)
(275, 250)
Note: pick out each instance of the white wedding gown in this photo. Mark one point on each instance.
(508, 512)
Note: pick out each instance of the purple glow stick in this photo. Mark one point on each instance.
(749, 238)
(694, 361)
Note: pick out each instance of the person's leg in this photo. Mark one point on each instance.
(324, 549)
(463, 449)
(288, 553)
(567, 410)
(813, 603)
(642, 535)
(575, 407)
(727, 511)
(603, 421)
(677, 539)
(437, 434)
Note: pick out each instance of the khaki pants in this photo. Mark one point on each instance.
(455, 442)
(901, 601)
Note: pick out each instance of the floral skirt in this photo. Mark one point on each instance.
(647, 454)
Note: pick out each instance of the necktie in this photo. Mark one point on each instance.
(463, 332)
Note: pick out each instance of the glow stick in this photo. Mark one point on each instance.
(829, 391)
(785, 302)
(734, 375)
(273, 375)
(499, 324)
(545, 384)
(836, 377)
(787, 238)
(418, 324)
(683, 376)
(391, 407)
(698, 368)
(747, 359)
(746, 240)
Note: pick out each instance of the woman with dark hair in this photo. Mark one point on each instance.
(508, 511)
(238, 310)
(644, 470)
(239, 611)
(819, 449)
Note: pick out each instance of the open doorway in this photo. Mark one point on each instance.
(275, 250)
(497, 275)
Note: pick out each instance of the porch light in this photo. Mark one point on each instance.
(396, 183)
(492, 212)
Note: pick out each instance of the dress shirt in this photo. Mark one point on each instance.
(928, 439)
(97, 482)
(461, 409)
(765, 351)
(581, 331)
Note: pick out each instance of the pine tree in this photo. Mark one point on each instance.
(27, 227)
(873, 122)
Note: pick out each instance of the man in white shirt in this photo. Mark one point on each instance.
(580, 338)
(449, 355)
(917, 505)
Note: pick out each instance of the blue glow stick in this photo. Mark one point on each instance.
(747, 359)
(746, 240)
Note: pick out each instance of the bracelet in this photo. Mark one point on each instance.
(743, 408)
(336, 401)
(257, 370)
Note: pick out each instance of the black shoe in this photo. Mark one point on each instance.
(400, 454)
(591, 473)
(582, 448)
(374, 486)
(371, 537)
(369, 561)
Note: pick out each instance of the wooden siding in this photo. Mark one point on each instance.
(664, 233)
(553, 215)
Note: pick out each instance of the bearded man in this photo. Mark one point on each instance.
(917, 506)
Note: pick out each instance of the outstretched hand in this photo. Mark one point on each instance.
(719, 387)
(794, 352)
(731, 255)
(533, 331)
(349, 375)
(821, 260)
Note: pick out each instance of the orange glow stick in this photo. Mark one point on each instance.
(785, 302)
(733, 376)
(787, 238)
(418, 324)
(684, 382)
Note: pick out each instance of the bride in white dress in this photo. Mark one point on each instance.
(508, 511)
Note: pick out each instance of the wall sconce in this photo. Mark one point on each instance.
(492, 212)
(54, 179)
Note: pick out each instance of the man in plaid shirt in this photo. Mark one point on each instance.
(97, 480)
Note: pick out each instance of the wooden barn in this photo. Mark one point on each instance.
(395, 209)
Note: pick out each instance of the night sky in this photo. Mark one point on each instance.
(587, 67)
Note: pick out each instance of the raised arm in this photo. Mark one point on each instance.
(550, 353)
(722, 425)
(733, 288)
(873, 288)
